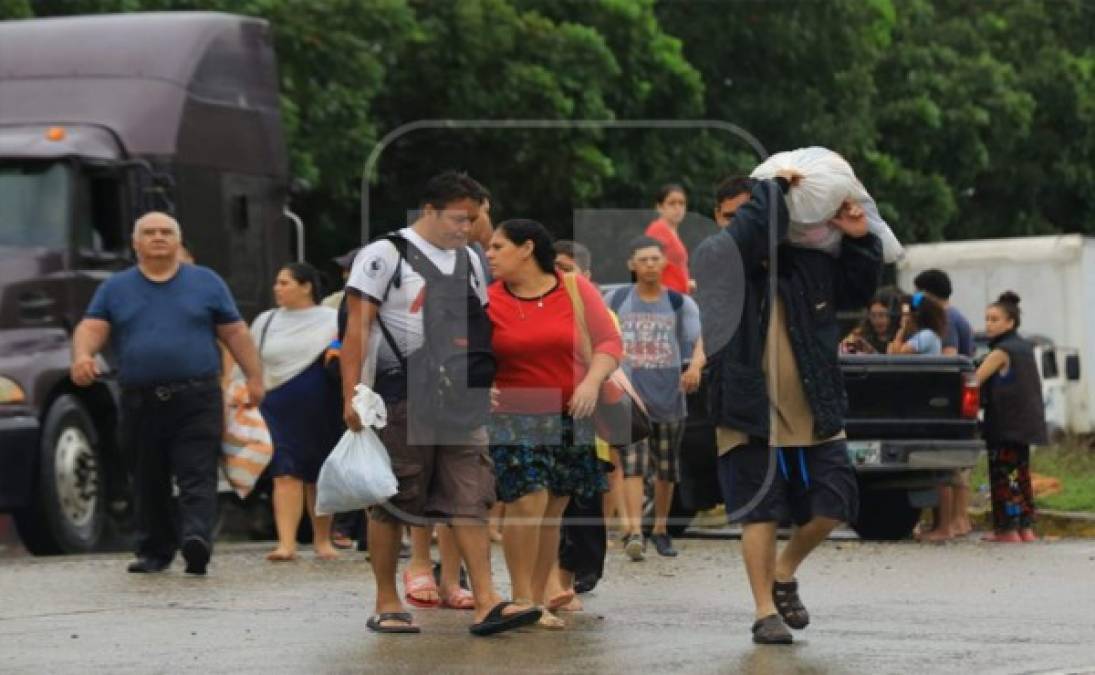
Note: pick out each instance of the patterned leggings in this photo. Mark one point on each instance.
(1012, 494)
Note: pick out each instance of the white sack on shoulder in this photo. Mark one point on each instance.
(827, 180)
(358, 472)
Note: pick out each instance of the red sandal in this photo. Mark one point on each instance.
(418, 584)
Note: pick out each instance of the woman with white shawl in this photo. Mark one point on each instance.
(302, 408)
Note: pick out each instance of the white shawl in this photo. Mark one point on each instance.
(294, 339)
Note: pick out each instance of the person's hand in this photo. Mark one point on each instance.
(349, 416)
(851, 219)
(584, 400)
(690, 379)
(84, 370)
(692, 286)
(790, 175)
(255, 391)
(495, 397)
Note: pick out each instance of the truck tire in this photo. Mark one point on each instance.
(885, 515)
(68, 511)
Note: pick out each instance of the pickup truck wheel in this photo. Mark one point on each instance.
(885, 515)
(68, 509)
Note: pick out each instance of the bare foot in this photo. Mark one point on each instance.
(326, 552)
(963, 528)
(936, 535)
(550, 621)
(574, 605)
(280, 554)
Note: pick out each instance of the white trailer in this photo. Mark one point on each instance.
(1054, 276)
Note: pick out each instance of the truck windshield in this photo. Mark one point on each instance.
(35, 204)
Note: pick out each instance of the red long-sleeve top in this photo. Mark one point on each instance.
(539, 365)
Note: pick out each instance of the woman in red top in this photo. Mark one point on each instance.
(671, 203)
(542, 437)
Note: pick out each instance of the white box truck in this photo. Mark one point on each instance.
(1055, 277)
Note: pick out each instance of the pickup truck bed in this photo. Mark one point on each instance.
(912, 421)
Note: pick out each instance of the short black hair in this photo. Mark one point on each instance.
(935, 282)
(450, 186)
(520, 230)
(303, 273)
(577, 252)
(732, 187)
(641, 242)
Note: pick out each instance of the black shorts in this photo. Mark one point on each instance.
(806, 482)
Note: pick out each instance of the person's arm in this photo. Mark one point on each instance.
(88, 340)
(360, 313)
(607, 347)
(690, 320)
(950, 351)
(751, 225)
(860, 260)
(996, 361)
(237, 338)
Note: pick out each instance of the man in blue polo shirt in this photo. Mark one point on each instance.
(163, 319)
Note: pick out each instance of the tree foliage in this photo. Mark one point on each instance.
(964, 119)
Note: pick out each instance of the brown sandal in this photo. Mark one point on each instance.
(789, 605)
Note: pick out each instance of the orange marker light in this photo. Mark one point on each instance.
(56, 133)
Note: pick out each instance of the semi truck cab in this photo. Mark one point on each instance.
(102, 119)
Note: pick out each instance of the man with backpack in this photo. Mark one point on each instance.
(661, 332)
(417, 297)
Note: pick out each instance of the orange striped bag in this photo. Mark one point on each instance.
(246, 448)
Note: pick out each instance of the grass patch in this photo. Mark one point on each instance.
(1072, 462)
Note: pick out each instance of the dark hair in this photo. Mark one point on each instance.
(578, 252)
(450, 186)
(641, 242)
(1008, 302)
(935, 282)
(520, 230)
(303, 273)
(886, 300)
(928, 314)
(732, 187)
(668, 189)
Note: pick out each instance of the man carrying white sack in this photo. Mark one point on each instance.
(769, 325)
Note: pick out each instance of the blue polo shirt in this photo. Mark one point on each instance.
(164, 331)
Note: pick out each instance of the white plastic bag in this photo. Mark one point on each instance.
(358, 472)
(827, 180)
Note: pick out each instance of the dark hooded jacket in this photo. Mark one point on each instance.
(734, 274)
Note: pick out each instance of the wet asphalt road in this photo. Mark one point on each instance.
(877, 608)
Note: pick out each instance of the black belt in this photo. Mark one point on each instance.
(165, 391)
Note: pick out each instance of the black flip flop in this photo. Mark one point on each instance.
(497, 622)
(376, 623)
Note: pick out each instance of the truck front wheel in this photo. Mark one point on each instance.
(885, 515)
(68, 509)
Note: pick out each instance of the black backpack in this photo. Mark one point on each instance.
(448, 380)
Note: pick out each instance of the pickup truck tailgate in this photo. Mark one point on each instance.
(907, 397)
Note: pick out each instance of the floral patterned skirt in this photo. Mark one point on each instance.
(545, 452)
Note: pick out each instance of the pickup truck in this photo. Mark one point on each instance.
(912, 420)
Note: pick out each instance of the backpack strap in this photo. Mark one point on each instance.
(676, 300)
(616, 300)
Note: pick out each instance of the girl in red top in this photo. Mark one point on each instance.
(542, 437)
(671, 203)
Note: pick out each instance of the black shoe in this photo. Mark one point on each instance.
(664, 544)
(196, 553)
(771, 631)
(147, 566)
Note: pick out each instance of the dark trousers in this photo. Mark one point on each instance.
(1012, 491)
(583, 538)
(177, 436)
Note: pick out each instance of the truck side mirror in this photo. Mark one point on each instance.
(1072, 367)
